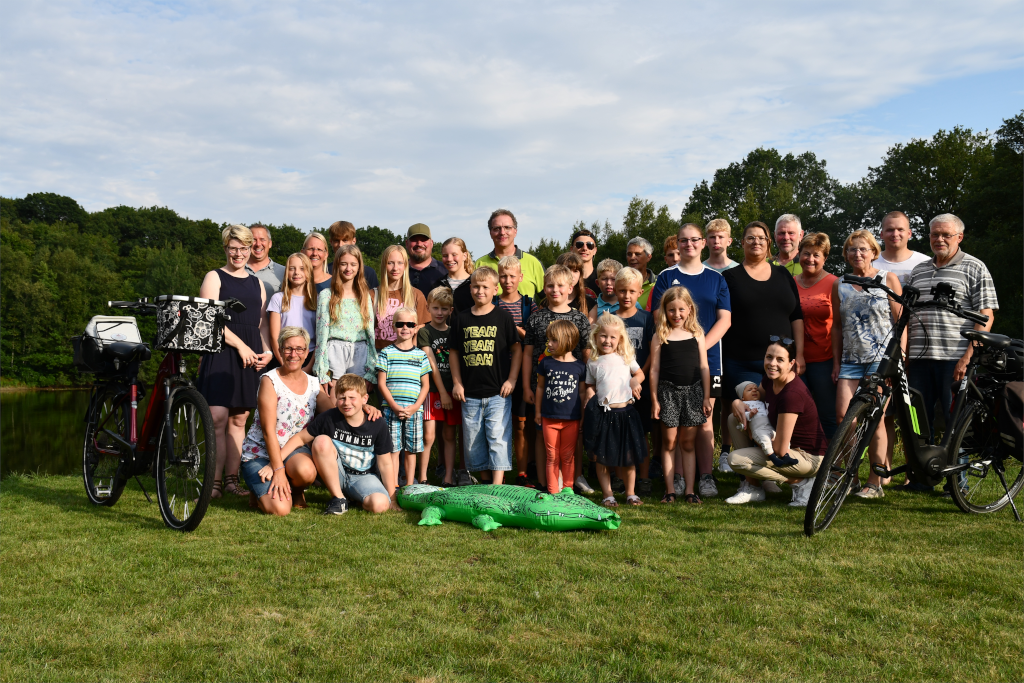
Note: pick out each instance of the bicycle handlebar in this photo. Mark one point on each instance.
(943, 302)
(141, 306)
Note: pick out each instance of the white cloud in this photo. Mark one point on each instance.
(390, 114)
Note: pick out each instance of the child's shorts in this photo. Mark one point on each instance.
(406, 435)
(681, 406)
(435, 413)
(346, 357)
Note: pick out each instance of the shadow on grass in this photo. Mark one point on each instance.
(32, 488)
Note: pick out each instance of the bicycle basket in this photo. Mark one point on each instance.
(188, 323)
(101, 331)
(1011, 418)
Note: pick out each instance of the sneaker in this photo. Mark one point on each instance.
(524, 481)
(618, 486)
(337, 506)
(801, 492)
(706, 487)
(462, 478)
(770, 487)
(643, 487)
(723, 463)
(581, 485)
(871, 491)
(747, 493)
(679, 485)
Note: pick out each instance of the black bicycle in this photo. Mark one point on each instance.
(983, 473)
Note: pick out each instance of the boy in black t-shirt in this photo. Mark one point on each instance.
(442, 411)
(346, 447)
(485, 354)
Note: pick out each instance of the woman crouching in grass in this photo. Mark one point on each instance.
(286, 402)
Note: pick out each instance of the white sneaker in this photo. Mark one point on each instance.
(801, 492)
(707, 487)
(770, 487)
(748, 493)
(723, 463)
(679, 485)
(582, 486)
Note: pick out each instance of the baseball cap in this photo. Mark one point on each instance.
(418, 229)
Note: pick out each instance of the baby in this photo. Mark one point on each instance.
(758, 426)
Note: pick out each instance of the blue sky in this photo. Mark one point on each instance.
(397, 113)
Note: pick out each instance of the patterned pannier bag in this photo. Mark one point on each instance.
(188, 323)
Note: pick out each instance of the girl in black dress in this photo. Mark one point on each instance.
(229, 379)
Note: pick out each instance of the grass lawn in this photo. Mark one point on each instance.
(904, 588)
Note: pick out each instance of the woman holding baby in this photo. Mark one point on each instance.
(798, 442)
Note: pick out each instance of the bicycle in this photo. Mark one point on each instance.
(970, 450)
(176, 442)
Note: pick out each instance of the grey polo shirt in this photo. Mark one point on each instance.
(272, 276)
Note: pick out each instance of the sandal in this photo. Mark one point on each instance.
(610, 502)
(668, 498)
(693, 498)
(231, 485)
(218, 489)
(634, 500)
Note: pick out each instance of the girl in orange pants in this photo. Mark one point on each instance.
(559, 402)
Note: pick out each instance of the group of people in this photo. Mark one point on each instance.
(591, 368)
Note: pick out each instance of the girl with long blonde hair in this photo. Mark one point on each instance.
(294, 305)
(344, 322)
(396, 291)
(614, 436)
(680, 387)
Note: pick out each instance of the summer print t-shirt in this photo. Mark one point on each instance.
(640, 328)
(404, 370)
(358, 447)
(483, 343)
(537, 331)
(561, 400)
(437, 340)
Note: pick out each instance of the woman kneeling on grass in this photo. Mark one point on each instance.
(799, 442)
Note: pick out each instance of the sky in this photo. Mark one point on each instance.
(395, 113)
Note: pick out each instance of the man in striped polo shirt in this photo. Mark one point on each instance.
(938, 355)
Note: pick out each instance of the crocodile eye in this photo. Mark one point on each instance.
(543, 496)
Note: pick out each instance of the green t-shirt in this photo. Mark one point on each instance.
(793, 266)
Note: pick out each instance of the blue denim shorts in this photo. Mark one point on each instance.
(251, 469)
(357, 487)
(857, 370)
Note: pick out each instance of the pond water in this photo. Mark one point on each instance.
(42, 431)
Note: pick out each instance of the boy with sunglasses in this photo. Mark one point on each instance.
(403, 379)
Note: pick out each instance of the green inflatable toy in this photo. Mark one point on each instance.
(488, 507)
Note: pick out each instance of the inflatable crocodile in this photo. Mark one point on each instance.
(488, 507)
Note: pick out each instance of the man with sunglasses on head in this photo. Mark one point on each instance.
(503, 227)
(584, 244)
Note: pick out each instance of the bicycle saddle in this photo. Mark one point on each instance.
(993, 341)
(126, 351)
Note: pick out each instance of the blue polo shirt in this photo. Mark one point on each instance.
(710, 294)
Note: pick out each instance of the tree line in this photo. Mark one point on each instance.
(61, 263)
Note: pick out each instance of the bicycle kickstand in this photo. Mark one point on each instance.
(1002, 479)
(145, 493)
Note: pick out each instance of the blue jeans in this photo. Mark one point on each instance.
(487, 425)
(934, 379)
(818, 378)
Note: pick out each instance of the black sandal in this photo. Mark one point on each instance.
(668, 498)
(693, 498)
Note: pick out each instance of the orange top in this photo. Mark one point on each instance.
(816, 302)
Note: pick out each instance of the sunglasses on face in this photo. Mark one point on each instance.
(584, 245)
(399, 324)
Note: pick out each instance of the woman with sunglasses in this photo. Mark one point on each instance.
(860, 331)
(765, 302)
(584, 244)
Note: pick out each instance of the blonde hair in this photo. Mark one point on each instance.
(408, 294)
(558, 274)
(690, 324)
(718, 225)
(327, 248)
(572, 261)
(359, 286)
(236, 232)
(628, 275)
(482, 272)
(292, 331)
(405, 310)
(350, 382)
(865, 235)
(509, 261)
(461, 244)
(308, 287)
(565, 336)
(609, 264)
(442, 296)
(625, 347)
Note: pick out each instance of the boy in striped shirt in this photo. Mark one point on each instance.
(403, 379)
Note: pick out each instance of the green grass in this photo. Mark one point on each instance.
(905, 588)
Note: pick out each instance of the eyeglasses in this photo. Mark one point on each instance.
(947, 236)
(584, 245)
(690, 240)
(293, 350)
(754, 240)
(234, 251)
(859, 250)
(502, 228)
(399, 324)
(775, 339)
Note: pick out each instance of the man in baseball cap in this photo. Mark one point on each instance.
(424, 269)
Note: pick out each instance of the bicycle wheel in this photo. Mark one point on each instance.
(977, 440)
(101, 454)
(839, 466)
(185, 462)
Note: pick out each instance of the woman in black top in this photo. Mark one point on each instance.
(765, 302)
